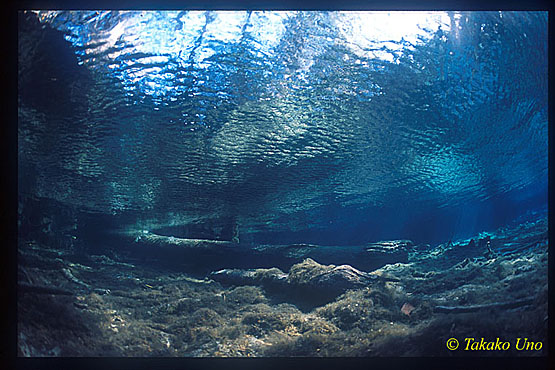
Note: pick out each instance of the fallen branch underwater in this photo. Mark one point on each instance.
(474, 308)
(170, 241)
(226, 254)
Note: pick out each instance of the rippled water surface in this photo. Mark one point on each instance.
(314, 126)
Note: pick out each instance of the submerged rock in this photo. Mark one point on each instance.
(311, 274)
(307, 279)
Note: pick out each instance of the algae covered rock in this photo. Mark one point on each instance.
(308, 280)
(309, 274)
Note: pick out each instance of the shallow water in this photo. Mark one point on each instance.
(409, 144)
(341, 127)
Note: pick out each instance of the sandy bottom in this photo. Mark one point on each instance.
(120, 307)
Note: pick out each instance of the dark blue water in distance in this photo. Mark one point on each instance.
(332, 128)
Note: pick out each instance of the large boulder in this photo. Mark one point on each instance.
(309, 274)
(308, 280)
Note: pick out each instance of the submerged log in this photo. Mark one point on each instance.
(154, 240)
(269, 278)
(208, 255)
(480, 307)
(364, 257)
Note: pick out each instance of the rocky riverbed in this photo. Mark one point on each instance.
(109, 304)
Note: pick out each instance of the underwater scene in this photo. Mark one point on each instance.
(282, 183)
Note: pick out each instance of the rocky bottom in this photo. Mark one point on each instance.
(107, 305)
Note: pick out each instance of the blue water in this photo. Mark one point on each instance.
(334, 128)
